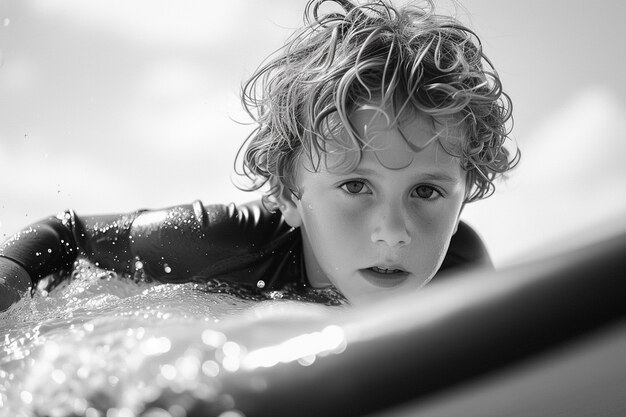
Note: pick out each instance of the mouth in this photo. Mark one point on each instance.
(384, 276)
(386, 271)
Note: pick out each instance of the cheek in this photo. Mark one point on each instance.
(435, 227)
(336, 234)
(432, 231)
(332, 224)
(438, 219)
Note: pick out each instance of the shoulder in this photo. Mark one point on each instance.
(250, 219)
(207, 240)
(466, 249)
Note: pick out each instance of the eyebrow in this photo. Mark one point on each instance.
(440, 176)
(431, 176)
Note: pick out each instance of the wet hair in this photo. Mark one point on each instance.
(405, 58)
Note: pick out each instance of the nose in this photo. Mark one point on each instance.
(390, 226)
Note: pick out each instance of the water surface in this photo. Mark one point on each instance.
(102, 345)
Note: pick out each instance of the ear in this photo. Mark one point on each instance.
(288, 205)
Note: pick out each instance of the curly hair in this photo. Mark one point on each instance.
(409, 58)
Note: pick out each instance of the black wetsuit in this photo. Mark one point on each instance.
(244, 244)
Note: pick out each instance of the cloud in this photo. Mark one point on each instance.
(152, 21)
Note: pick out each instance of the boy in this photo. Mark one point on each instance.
(375, 125)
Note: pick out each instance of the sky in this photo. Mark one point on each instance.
(115, 105)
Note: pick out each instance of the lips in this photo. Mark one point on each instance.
(384, 276)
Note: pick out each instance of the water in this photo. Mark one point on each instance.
(103, 345)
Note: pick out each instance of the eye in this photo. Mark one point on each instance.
(427, 192)
(356, 187)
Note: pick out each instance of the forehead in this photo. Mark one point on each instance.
(396, 141)
(378, 138)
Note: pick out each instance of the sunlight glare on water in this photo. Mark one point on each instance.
(101, 345)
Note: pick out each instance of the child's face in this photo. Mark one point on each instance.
(384, 227)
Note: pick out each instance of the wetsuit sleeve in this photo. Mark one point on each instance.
(177, 244)
(53, 244)
(195, 242)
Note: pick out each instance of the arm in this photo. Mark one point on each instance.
(176, 244)
(53, 244)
